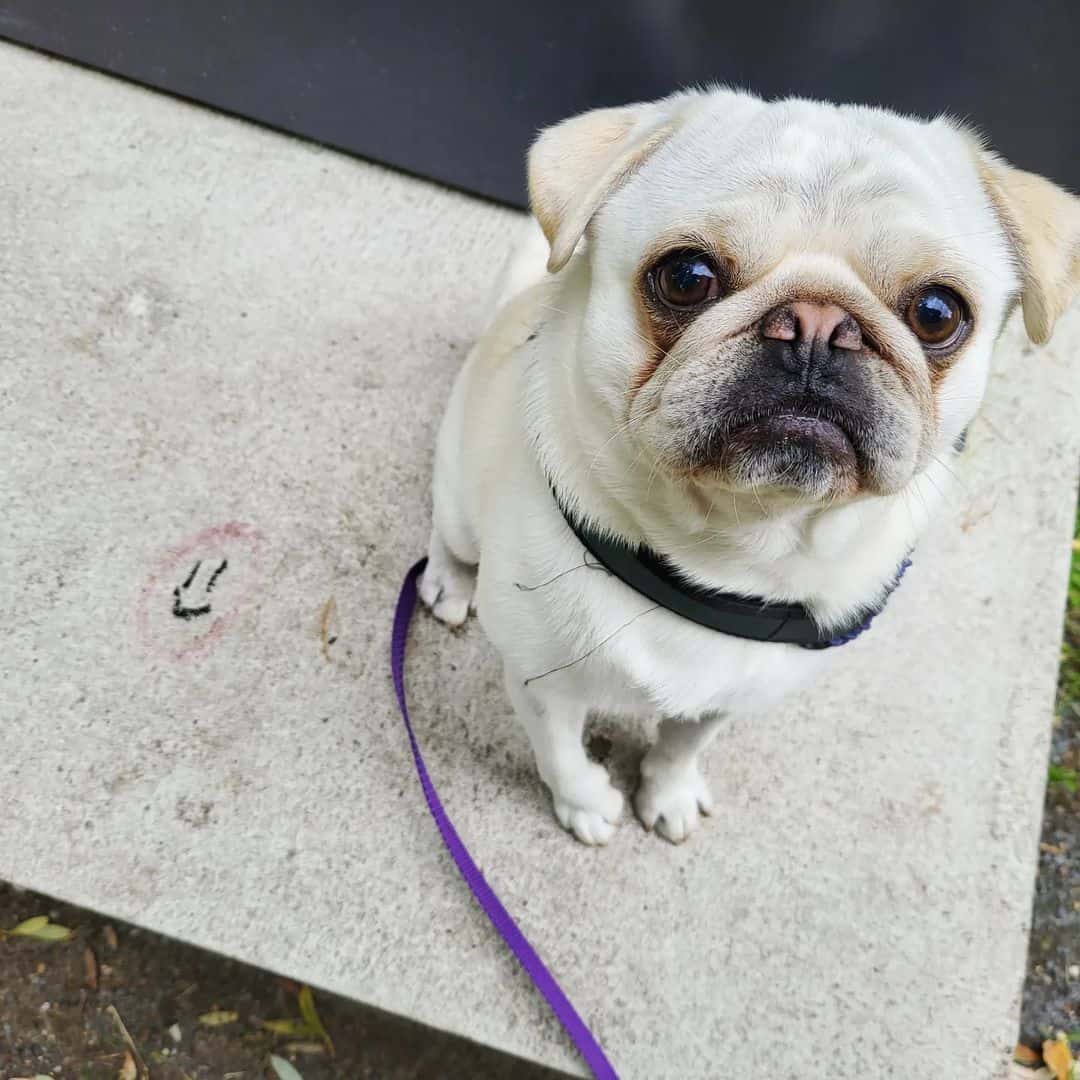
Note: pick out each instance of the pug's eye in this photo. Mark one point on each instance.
(937, 315)
(686, 279)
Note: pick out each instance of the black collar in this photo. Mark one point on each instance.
(755, 618)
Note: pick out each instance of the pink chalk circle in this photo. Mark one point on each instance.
(198, 589)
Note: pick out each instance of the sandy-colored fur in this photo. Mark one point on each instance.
(1044, 221)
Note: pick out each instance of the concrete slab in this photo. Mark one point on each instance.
(218, 344)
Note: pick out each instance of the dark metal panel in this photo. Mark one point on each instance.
(455, 91)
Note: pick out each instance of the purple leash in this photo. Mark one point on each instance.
(500, 918)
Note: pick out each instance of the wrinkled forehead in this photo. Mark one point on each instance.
(760, 180)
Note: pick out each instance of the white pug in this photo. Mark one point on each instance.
(765, 330)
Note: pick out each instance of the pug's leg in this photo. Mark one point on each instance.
(673, 794)
(448, 584)
(585, 801)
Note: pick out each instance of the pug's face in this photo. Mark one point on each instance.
(796, 298)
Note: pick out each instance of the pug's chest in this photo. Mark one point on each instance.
(626, 654)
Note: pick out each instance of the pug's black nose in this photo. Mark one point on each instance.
(811, 339)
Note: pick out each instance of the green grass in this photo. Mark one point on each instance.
(1067, 778)
(1069, 681)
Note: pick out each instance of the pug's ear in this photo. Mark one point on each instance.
(1043, 222)
(574, 166)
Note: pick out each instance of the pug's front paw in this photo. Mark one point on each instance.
(672, 798)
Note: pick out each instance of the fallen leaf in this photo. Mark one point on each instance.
(28, 926)
(305, 1048)
(295, 1027)
(52, 932)
(133, 1051)
(127, 1070)
(326, 615)
(90, 966)
(40, 929)
(1024, 1055)
(1058, 1057)
(110, 937)
(218, 1017)
(311, 1015)
(284, 1070)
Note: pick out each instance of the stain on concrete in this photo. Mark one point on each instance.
(198, 813)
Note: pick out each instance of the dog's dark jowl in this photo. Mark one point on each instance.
(811, 410)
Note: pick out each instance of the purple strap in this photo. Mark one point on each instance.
(500, 918)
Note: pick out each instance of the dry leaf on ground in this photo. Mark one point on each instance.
(305, 1048)
(1024, 1055)
(218, 1018)
(28, 926)
(1058, 1057)
(133, 1051)
(127, 1070)
(40, 929)
(311, 1016)
(293, 1027)
(283, 1069)
(52, 932)
(90, 966)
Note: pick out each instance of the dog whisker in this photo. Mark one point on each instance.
(757, 499)
(916, 490)
(907, 507)
(934, 484)
(622, 429)
(951, 471)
